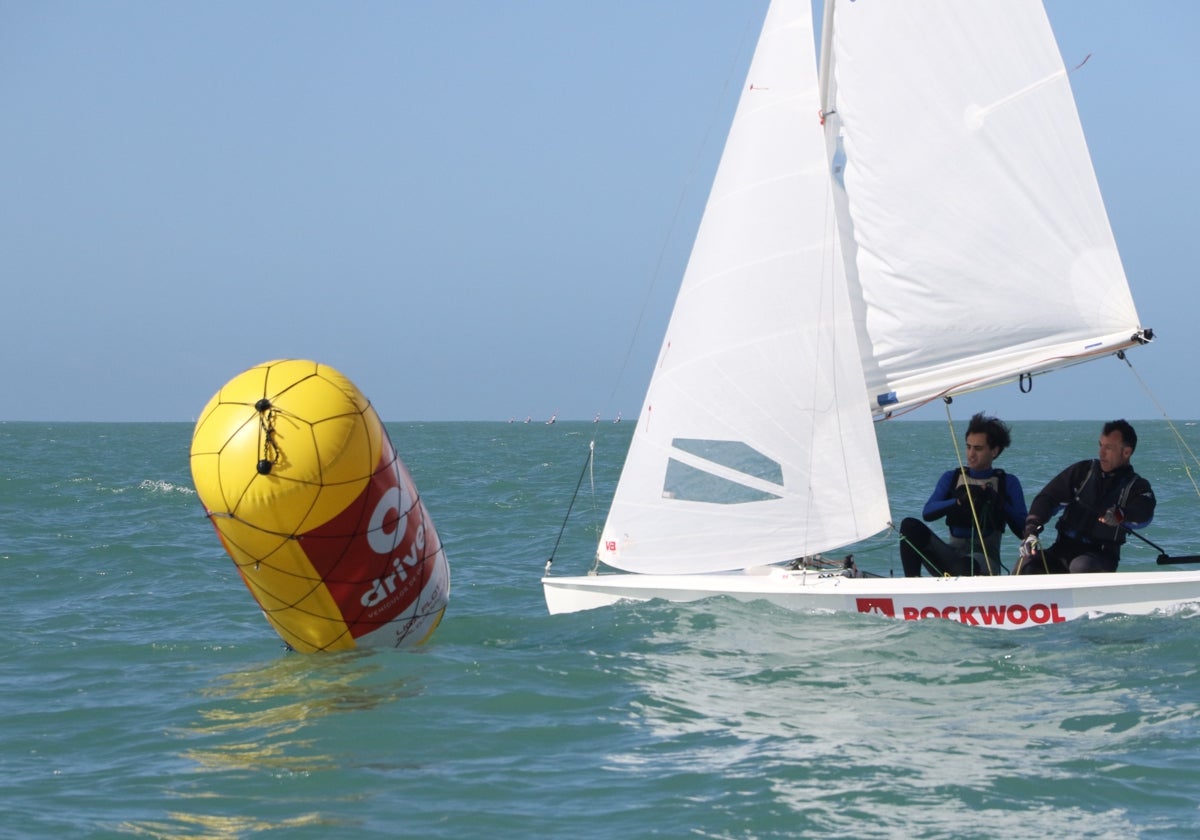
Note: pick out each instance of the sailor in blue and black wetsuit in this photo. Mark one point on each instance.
(978, 501)
(1100, 499)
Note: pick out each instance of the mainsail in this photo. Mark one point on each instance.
(981, 247)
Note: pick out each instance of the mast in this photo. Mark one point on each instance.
(826, 56)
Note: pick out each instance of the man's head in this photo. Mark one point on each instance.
(987, 437)
(1117, 442)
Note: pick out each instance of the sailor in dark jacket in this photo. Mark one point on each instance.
(1100, 499)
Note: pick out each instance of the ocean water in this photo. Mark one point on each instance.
(143, 695)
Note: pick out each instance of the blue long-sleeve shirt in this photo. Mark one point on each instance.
(943, 500)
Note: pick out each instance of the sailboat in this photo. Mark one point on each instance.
(864, 205)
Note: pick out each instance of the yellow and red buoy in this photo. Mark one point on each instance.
(302, 484)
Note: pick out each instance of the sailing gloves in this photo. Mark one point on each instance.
(983, 494)
(1030, 545)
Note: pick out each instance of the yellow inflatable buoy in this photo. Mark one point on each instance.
(321, 518)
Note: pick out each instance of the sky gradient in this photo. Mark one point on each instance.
(474, 210)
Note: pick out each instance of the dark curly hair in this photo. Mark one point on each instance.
(996, 430)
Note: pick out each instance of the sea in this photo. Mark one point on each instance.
(142, 693)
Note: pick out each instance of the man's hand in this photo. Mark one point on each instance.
(983, 494)
(1029, 547)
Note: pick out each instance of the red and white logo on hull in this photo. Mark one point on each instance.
(979, 614)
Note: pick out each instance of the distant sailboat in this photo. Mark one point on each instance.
(857, 220)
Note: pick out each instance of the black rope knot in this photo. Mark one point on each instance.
(266, 422)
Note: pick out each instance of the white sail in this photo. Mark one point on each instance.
(982, 249)
(754, 444)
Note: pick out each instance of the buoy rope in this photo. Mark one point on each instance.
(266, 424)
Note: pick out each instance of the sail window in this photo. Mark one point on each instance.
(722, 472)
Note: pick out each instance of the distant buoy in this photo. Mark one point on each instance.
(302, 484)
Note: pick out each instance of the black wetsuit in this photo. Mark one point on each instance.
(1084, 543)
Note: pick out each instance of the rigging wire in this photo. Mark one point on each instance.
(1180, 443)
(693, 170)
(587, 462)
(685, 190)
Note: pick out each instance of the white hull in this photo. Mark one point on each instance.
(1009, 602)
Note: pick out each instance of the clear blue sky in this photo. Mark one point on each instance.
(465, 207)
